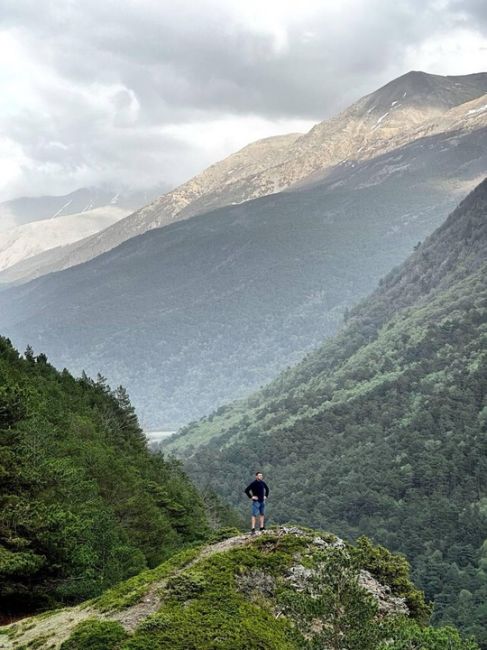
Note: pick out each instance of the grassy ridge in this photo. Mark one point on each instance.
(289, 589)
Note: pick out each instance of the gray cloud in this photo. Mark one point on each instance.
(119, 74)
(473, 12)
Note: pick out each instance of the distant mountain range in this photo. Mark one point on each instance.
(17, 212)
(208, 309)
(30, 239)
(31, 225)
(382, 430)
(413, 106)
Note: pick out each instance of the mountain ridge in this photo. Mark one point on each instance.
(358, 132)
(28, 240)
(289, 589)
(26, 209)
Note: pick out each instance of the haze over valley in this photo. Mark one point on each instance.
(210, 307)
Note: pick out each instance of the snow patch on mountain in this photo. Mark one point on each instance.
(378, 123)
(474, 111)
(61, 209)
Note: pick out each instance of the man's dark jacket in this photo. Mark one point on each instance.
(257, 489)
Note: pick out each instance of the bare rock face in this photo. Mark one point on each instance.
(256, 584)
(337, 543)
(388, 604)
(301, 578)
(298, 576)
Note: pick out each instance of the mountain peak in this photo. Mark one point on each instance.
(417, 88)
(416, 74)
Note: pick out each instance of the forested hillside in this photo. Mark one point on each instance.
(382, 430)
(83, 504)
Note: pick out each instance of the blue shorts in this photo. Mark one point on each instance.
(258, 508)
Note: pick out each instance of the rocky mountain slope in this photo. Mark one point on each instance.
(252, 158)
(27, 209)
(20, 211)
(35, 229)
(410, 107)
(382, 430)
(287, 589)
(23, 242)
(208, 309)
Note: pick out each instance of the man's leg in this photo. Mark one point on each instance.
(261, 515)
(255, 512)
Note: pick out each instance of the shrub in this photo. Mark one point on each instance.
(95, 635)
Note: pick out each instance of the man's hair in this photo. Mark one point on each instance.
(258, 473)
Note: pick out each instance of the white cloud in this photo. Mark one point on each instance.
(140, 92)
(12, 164)
(211, 140)
(458, 52)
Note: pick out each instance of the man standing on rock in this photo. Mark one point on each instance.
(258, 492)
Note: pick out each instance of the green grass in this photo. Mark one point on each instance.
(131, 591)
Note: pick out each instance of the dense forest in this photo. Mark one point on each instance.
(83, 504)
(382, 430)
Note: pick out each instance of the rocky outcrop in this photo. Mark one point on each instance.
(287, 576)
(388, 604)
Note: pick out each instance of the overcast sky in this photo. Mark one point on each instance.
(138, 92)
